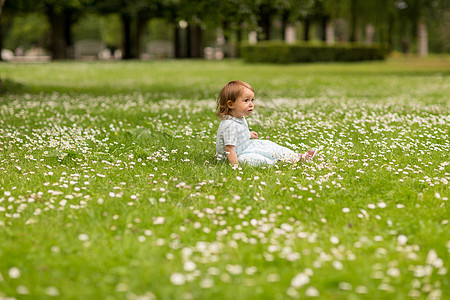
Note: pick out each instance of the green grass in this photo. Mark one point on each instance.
(109, 188)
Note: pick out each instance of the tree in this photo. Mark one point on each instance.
(7, 11)
(134, 15)
(236, 16)
(265, 12)
(2, 3)
(331, 10)
(61, 16)
(190, 22)
(420, 13)
(292, 11)
(196, 17)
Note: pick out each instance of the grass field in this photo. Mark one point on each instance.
(109, 187)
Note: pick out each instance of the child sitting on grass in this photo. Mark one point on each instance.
(236, 142)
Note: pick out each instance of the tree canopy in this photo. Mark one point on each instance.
(390, 19)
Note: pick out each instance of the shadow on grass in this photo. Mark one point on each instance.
(148, 141)
(8, 86)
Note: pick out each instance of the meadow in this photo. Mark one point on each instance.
(110, 189)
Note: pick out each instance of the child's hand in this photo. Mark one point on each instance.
(253, 135)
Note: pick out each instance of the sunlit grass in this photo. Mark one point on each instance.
(201, 79)
(109, 187)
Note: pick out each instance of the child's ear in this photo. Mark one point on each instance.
(230, 104)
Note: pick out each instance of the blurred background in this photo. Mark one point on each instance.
(41, 30)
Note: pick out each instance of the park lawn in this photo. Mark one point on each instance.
(109, 187)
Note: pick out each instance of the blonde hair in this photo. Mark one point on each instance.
(230, 92)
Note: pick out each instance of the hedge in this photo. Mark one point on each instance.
(280, 52)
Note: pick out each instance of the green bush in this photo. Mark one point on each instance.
(280, 52)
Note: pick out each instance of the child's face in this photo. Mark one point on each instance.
(243, 106)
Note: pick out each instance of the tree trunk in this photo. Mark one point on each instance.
(239, 39)
(195, 41)
(5, 25)
(266, 29)
(177, 42)
(323, 27)
(422, 38)
(188, 41)
(68, 35)
(58, 41)
(390, 33)
(2, 2)
(1, 39)
(223, 39)
(405, 45)
(353, 18)
(239, 32)
(352, 32)
(306, 29)
(140, 26)
(126, 36)
(284, 24)
(265, 20)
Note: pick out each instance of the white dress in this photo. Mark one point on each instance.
(234, 131)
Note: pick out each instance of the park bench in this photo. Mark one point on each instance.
(88, 49)
(159, 49)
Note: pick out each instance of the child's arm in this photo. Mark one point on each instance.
(231, 154)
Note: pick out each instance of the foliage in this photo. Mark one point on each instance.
(105, 28)
(27, 31)
(279, 52)
(440, 35)
(88, 27)
(395, 21)
(160, 29)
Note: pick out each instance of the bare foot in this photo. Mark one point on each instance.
(310, 154)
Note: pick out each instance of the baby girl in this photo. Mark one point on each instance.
(236, 142)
